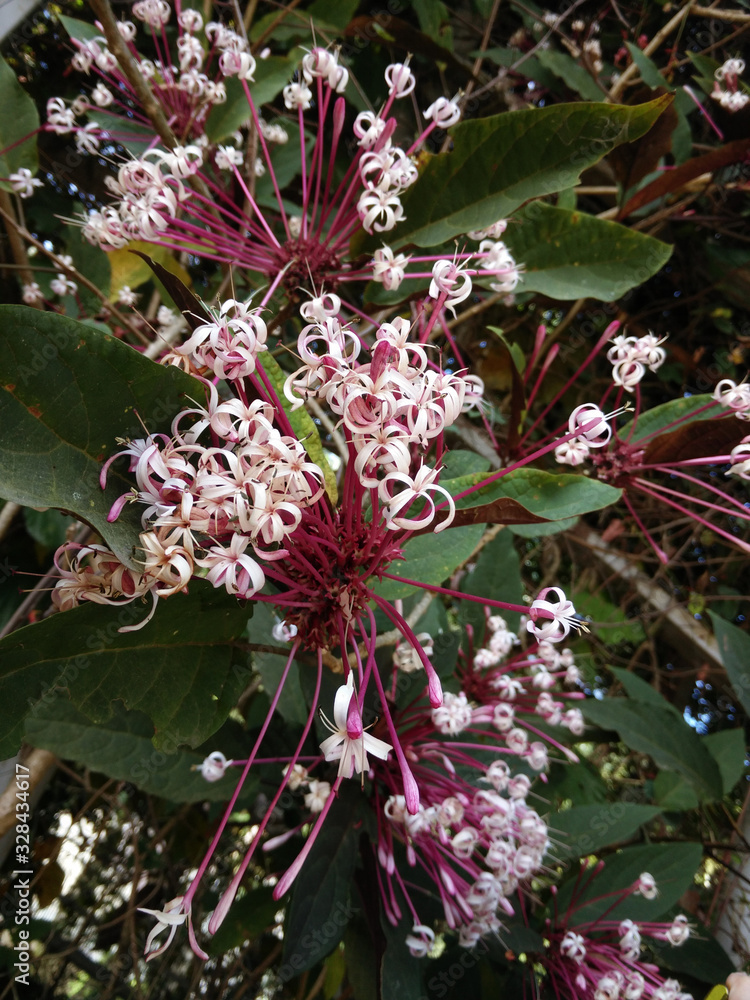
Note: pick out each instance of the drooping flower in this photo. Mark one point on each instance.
(350, 743)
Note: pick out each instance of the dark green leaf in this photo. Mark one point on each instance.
(321, 906)
(586, 829)
(19, 118)
(122, 747)
(292, 706)
(428, 561)
(580, 783)
(544, 494)
(728, 750)
(672, 865)
(640, 690)
(179, 669)
(337, 13)
(734, 647)
(497, 575)
(701, 957)
(361, 960)
(570, 255)
(248, 917)
(67, 393)
(400, 972)
(667, 739)
(82, 31)
(659, 417)
(48, 527)
(567, 69)
(672, 792)
(498, 163)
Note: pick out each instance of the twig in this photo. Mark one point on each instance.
(80, 278)
(135, 77)
(735, 16)
(17, 246)
(628, 74)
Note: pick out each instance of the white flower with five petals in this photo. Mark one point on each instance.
(349, 743)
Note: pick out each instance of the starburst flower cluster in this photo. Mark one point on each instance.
(200, 195)
(252, 486)
(602, 959)
(626, 459)
(631, 356)
(187, 85)
(727, 88)
(474, 834)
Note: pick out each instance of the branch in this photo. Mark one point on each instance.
(652, 46)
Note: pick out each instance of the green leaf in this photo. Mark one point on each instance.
(321, 907)
(580, 783)
(685, 409)
(734, 647)
(248, 917)
(640, 690)
(650, 74)
(586, 829)
(428, 560)
(728, 750)
(673, 793)
(567, 69)
(131, 135)
(668, 740)
(122, 747)
(179, 668)
(544, 528)
(94, 265)
(271, 76)
(67, 392)
(546, 494)
(302, 423)
(336, 13)
(48, 527)
(570, 255)
(701, 957)
(82, 31)
(458, 463)
(672, 865)
(498, 163)
(497, 575)
(292, 705)
(400, 972)
(19, 119)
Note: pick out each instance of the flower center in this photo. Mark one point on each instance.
(342, 594)
(308, 262)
